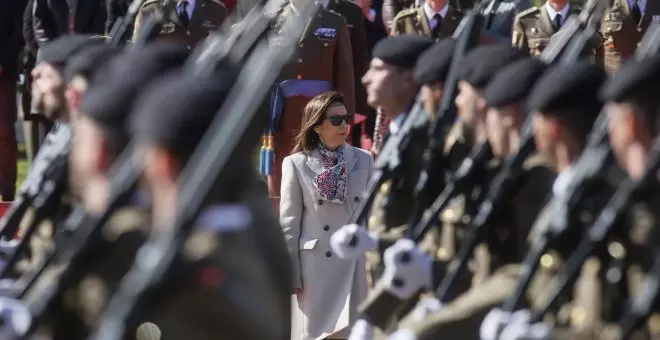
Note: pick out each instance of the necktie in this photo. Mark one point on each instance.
(438, 25)
(557, 23)
(183, 15)
(636, 13)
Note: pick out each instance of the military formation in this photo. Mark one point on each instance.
(515, 194)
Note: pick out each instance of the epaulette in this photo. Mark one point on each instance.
(406, 13)
(528, 12)
(150, 3)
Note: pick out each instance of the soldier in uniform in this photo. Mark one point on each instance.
(357, 28)
(622, 28)
(494, 260)
(192, 21)
(499, 19)
(533, 28)
(230, 287)
(391, 85)
(322, 62)
(434, 19)
(392, 7)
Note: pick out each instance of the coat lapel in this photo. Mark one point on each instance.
(196, 11)
(652, 8)
(546, 24)
(174, 15)
(349, 156)
(314, 161)
(312, 22)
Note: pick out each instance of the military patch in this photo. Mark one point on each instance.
(167, 28)
(325, 33)
(655, 19)
(208, 24)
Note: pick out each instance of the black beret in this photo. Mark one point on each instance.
(109, 103)
(514, 82)
(433, 65)
(481, 64)
(573, 86)
(176, 112)
(89, 60)
(636, 77)
(401, 50)
(58, 51)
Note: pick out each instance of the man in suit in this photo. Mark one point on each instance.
(533, 28)
(54, 18)
(322, 62)
(622, 28)
(11, 43)
(192, 21)
(434, 19)
(355, 21)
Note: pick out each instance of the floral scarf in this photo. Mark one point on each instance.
(331, 182)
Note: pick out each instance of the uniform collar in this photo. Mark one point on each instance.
(553, 13)
(191, 5)
(395, 124)
(430, 12)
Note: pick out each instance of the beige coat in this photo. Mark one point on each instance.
(332, 287)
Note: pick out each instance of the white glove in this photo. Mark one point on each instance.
(494, 320)
(364, 240)
(362, 330)
(7, 288)
(426, 307)
(15, 316)
(407, 269)
(519, 328)
(402, 334)
(7, 247)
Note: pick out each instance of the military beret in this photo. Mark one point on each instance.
(401, 50)
(89, 60)
(433, 65)
(58, 51)
(573, 86)
(481, 64)
(176, 112)
(636, 78)
(513, 82)
(109, 103)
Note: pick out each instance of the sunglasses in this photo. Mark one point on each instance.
(337, 119)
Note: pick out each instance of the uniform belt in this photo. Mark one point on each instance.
(290, 88)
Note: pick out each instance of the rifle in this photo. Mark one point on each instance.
(505, 182)
(598, 233)
(237, 112)
(595, 157)
(122, 24)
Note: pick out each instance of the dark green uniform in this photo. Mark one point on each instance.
(414, 21)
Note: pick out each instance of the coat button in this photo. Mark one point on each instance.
(356, 199)
(301, 45)
(326, 228)
(325, 44)
(188, 47)
(319, 202)
(328, 254)
(188, 32)
(300, 60)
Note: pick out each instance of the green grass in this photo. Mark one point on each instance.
(22, 166)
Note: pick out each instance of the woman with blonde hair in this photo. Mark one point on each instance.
(322, 181)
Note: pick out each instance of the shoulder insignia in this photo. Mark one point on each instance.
(217, 2)
(528, 12)
(406, 13)
(150, 3)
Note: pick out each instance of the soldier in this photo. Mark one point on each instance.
(435, 19)
(101, 136)
(227, 291)
(632, 105)
(55, 18)
(533, 28)
(504, 97)
(565, 105)
(192, 22)
(622, 28)
(322, 62)
(356, 26)
(48, 85)
(392, 7)
(499, 18)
